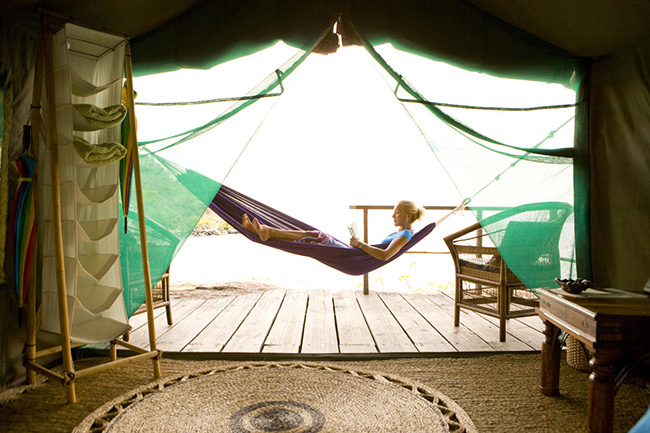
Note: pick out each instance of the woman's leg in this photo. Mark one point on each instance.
(266, 232)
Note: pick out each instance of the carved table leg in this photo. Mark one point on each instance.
(600, 412)
(550, 381)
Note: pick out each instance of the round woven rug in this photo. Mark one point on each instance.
(280, 397)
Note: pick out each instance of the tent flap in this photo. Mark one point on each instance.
(215, 32)
(454, 30)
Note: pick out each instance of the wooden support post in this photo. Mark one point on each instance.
(141, 221)
(366, 282)
(57, 229)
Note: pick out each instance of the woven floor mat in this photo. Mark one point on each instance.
(498, 393)
(281, 397)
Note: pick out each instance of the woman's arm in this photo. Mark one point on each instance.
(378, 253)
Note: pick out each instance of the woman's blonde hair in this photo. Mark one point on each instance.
(414, 211)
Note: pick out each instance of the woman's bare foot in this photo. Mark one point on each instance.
(247, 224)
(263, 232)
(254, 226)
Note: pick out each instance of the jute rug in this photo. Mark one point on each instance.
(499, 393)
(281, 397)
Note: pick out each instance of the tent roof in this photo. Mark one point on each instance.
(584, 27)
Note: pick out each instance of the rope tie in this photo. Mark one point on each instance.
(68, 378)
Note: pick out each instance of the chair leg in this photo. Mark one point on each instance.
(502, 313)
(168, 307)
(457, 300)
(502, 299)
(168, 310)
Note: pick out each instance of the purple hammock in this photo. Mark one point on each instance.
(232, 205)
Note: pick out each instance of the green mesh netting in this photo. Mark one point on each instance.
(513, 162)
(506, 160)
(176, 197)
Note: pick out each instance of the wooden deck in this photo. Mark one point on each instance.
(330, 323)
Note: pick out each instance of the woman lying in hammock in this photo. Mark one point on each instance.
(404, 215)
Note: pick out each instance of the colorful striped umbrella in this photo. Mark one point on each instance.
(22, 226)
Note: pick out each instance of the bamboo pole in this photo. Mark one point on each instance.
(141, 221)
(56, 218)
(130, 346)
(37, 125)
(46, 372)
(121, 361)
(113, 351)
(54, 349)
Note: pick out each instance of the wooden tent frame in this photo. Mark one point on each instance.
(44, 74)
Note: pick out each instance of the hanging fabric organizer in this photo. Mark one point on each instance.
(77, 110)
(88, 71)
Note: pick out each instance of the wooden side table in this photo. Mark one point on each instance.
(607, 324)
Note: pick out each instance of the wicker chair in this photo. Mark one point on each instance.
(484, 283)
(160, 298)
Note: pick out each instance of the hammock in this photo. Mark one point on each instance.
(232, 205)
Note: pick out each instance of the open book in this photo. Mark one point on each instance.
(354, 230)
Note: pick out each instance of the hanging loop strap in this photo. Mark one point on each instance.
(278, 73)
(478, 107)
(446, 118)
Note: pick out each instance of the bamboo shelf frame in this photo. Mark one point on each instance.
(44, 78)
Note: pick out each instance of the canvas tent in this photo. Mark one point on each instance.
(607, 42)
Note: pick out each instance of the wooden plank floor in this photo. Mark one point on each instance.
(324, 322)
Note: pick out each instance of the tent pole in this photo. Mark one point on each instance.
(66, 352)
(37, 125)
(141, 221)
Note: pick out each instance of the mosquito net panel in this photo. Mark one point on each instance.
(185, 151)
(505, 144)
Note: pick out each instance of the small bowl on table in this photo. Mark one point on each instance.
(574, 287)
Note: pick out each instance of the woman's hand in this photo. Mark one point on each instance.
(357, 243)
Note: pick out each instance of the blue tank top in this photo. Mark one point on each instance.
(408, 234)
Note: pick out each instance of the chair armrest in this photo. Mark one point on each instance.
(462, 232)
